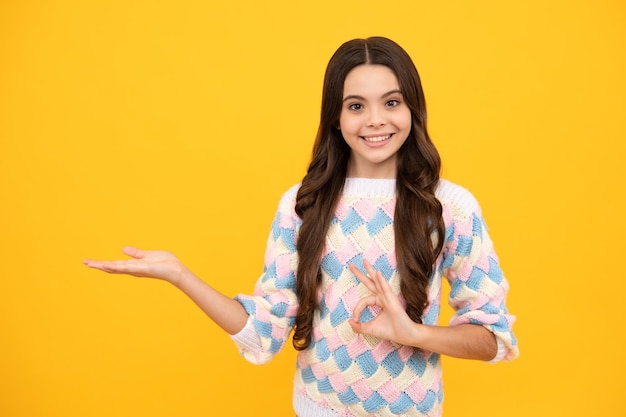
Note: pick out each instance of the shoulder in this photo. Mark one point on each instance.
(287, 202)
(290, 194)
(456, 200)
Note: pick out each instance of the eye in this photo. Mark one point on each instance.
(392, 103)
(355, 106)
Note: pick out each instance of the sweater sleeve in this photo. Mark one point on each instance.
(273, 304)
(478, 287)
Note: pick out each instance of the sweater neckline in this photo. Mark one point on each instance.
(372, 187)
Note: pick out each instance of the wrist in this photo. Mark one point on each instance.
(419, 334)
(181, 276)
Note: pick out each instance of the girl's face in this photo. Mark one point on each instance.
(374, 121)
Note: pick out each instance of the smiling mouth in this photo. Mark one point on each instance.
(375, 139)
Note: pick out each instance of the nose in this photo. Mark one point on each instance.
(376, 118)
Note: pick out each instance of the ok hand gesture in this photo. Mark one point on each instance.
(392, 323)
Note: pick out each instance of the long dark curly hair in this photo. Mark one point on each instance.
(418, 223)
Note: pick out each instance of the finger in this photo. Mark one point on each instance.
(369, 268)
(356, 326)
(116, 267)
(381, 283)
(362, 328)
(375, 276)
(364, 279)
(370, 300)
(387, 298)
(125, 267)
(133, 252)
(99, 265)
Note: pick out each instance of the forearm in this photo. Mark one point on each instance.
(226, 312)
(465, 341)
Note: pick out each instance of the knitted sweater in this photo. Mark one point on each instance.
(347, 374)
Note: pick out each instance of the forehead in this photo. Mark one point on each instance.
(370, 79)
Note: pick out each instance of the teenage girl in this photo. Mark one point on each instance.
(357, 253)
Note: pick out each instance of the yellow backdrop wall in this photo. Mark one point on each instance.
(178, 125)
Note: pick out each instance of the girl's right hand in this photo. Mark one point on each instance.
(145, 263)
(227, 312)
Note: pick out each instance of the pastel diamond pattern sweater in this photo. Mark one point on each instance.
(345, 374)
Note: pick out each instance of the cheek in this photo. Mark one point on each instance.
(347, 124)
(407, 119)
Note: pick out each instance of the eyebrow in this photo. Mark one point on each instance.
(357, 97)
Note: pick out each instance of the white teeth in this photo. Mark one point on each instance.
(377, 138)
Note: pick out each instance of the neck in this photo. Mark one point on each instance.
(372, 171)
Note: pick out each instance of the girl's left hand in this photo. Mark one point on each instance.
(392, 323)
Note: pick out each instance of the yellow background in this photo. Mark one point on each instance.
(178, 125)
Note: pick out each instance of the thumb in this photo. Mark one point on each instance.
(361, 328)
(133, 252)
(356, 326)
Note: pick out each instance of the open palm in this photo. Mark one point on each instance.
(143, 263)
